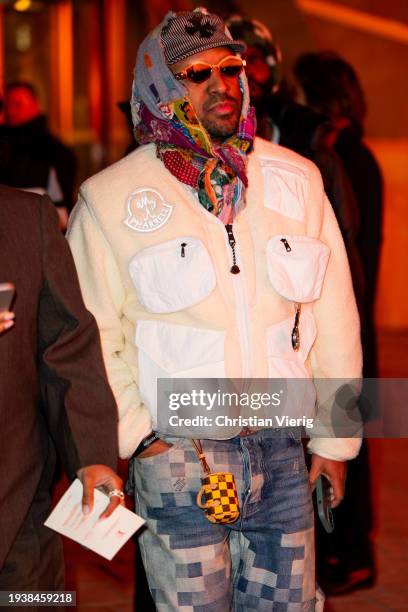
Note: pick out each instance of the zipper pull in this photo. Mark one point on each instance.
(231, 239)
(295, 330)
(183, 249)
(286, 244)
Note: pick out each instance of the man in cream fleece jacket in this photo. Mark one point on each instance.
(207, 253)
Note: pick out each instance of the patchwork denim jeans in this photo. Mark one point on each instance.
(264, 561)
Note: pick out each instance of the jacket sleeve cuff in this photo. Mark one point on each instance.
(337, 449)
(135, 425)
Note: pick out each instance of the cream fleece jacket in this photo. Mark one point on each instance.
(168, 310)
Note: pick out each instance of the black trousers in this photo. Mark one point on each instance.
(35, 561)
(350, 541)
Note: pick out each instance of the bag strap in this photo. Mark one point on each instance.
(200, 454)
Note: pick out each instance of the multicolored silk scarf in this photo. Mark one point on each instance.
(163, 114)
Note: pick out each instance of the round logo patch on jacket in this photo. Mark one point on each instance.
(147, 210)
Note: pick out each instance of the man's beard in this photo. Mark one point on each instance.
(221, 129)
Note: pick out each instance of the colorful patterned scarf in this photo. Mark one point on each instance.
(163, 114)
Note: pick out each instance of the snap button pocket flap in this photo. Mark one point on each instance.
(172, 275)
(296, 266)
(278, 338)
(178, 348)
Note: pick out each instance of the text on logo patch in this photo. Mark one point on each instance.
(147, 210)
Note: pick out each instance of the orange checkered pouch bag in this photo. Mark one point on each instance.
(218, 495)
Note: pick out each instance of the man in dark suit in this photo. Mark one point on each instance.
(53, 393)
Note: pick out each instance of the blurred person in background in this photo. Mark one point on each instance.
(282, 120)
(31, 158)
(54, 396)
(329, 85)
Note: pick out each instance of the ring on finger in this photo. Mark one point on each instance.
(116, 493)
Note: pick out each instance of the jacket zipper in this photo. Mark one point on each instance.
(241, 302)
(295, 335)
(232, 242)
(286, 245)
(242, 307)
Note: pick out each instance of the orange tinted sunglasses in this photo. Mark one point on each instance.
(230, 67)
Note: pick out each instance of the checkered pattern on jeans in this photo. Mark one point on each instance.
(264, 561)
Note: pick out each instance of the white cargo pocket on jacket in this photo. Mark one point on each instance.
(166, 350)
(296, 266)
(286, 188)
(172, 275)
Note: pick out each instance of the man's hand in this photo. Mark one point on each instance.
(93, 476)
(6, 320)
(156, 448)
(335, 472)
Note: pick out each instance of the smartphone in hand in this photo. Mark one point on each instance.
(323, 498)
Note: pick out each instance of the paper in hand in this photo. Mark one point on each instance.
(103, 536)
